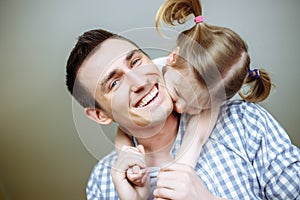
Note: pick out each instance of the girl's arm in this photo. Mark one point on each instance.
(198, 131)
(122, 139)
(136, 175)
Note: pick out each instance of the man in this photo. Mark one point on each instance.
(129, 89)
(115, 81)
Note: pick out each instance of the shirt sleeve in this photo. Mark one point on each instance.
(93, 191)
(100, 185)
(275, 159)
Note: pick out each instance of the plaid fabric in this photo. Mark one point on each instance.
(248, 156)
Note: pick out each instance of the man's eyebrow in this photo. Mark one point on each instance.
(107, 78)
(114, 72)
(131, 53)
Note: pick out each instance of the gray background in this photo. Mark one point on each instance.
(47, 146)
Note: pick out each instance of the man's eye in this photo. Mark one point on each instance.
(114, 83)
(135, 62)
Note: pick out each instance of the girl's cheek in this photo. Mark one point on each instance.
(177, 108)
(171, 90)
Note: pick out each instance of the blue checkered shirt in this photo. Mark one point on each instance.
(248, 156)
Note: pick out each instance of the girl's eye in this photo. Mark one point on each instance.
(176, 91)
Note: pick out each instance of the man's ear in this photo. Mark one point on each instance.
(98, 116)
(172, 58)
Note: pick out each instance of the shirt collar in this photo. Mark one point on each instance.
(181, 130)
(180, 133)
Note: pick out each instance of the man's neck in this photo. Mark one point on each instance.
(158, 147)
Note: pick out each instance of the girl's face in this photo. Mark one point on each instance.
(187, 94)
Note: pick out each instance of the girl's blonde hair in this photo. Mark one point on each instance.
(213, 51)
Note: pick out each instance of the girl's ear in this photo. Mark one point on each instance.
(98, 116)
(172, 58)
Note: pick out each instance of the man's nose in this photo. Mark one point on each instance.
(136, 81)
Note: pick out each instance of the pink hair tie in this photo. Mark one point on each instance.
(198, 19)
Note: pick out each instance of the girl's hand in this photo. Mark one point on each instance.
(128, 158)
(137, 176)
(180, 181)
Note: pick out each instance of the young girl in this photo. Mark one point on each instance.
(210, 65)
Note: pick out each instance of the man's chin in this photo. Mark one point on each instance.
(141, 119)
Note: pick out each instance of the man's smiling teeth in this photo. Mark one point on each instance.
(148, 98)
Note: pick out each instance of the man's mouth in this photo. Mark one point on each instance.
(148, 98)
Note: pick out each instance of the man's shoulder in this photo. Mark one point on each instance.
(100, 185)
(234, 104)
(102, 168)
(238, 108)
(109, 159)
(241, 123)
(233, 121)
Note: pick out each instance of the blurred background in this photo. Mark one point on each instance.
(47, 146)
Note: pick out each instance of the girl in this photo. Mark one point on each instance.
(209, 66)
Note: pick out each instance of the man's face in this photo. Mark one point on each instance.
(127, 85)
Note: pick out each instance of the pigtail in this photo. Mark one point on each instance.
(258, 86)
(218, 55)
(172, 11)
(176, 12)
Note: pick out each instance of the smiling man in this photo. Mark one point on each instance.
(248, 155)
(127, 85)
(116, 81)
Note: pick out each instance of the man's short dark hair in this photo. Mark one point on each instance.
(86, 43)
